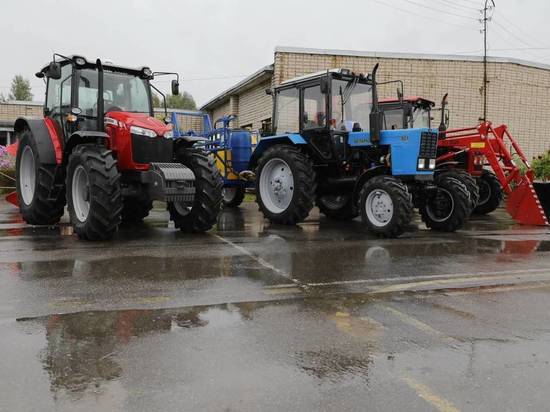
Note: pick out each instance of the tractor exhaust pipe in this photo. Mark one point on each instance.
(100, 102)
(442, 125)
(376, 116)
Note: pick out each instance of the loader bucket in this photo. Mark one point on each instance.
(524, 205)
(12, 198)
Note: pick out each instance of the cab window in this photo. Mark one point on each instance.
(287, 111)
(314, 115)
(59, 91)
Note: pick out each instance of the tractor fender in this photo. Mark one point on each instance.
(84, 136)
(369, 174)
(46, 135)
(266, 142)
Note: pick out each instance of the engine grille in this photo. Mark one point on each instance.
(148, 150)
(428, 145)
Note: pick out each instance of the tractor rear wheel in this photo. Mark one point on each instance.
(468, 181)
(203, 213)
(93, 192)
(233, 196)
(135, 209)
(448, 208)
(490, 193)
(285, 184)
(41, 197)
(337, 207)
(386, 206)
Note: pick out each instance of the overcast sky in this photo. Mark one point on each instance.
(215, 43)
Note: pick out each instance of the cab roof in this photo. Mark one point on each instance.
(92, 63)
(344, 73)
(410, 99)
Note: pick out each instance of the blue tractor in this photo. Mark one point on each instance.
(329, 148)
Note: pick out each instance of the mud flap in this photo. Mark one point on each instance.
(524, 205)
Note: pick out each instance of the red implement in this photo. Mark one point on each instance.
(487, 146)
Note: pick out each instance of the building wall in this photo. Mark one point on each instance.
(10, 111)
(517, 96)
(255, 105)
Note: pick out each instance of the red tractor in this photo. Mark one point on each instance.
(100, 150)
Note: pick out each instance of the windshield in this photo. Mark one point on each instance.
(421, 118)
(393, 118)
(121, 92)
(351, 103)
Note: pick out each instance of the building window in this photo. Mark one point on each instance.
(267, 128)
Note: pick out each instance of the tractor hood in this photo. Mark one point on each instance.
(140, 120)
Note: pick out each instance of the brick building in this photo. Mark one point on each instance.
(518, 91)
(11, 110)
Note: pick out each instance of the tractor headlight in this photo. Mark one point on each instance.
(80, 61)
(421, 163)
(169, 134)
(432, 164)
(142, 132)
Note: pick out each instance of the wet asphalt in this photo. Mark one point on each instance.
(252, 316)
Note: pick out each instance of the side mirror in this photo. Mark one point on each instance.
(77, 111)
(324, 85)
(269, 92)
(54, 71)
(175, 88)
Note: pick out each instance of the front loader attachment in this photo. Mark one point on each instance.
(485, 146)
(525, 206)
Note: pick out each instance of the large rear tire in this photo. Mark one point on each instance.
(449, 207)
(41, 196)
(135, 209)
(233, 196)
(93, 192)
(285, 185)
(386, 206)
(340, 207)
(203, 213)
(490, 193)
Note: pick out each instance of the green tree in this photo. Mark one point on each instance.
(156, 101)
(182, 101)
(20, 89)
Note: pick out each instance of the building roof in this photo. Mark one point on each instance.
(416, 56)
(258, 77)
(22, 103)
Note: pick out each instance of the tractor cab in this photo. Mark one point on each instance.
(407, 113)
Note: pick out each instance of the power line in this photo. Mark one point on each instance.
(440, 11)
(432, 18)
(458, 6)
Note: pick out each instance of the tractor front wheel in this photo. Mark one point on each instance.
(337, 207)
(202, 214)
(448, 206)
(470, 182)
(490, 193)
(386, 206)
(41, 197)
(93, 192)
(285, 185)
(233, 196)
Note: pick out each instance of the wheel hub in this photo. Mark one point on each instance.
(276, 185)
(81, 193)
(27, 175)
(379, 207)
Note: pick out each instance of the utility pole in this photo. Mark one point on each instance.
(485, 81)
